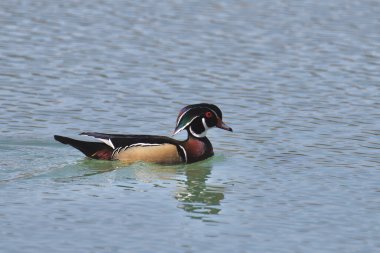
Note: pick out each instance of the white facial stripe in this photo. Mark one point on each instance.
(204, 124)
(179, 119)
(213, 112)
(185, 125)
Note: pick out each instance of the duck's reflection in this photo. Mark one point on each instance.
(195, 194)
(192, 189)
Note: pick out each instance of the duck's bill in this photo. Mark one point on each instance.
(220, 124)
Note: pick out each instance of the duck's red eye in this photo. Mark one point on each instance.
(208, 114)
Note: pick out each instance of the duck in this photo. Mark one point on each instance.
(196, 119)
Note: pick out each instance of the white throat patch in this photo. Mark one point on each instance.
(204, 124)
(203, 134)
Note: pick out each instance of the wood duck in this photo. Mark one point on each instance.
(196, 119)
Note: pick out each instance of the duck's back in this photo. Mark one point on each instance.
(147, 148)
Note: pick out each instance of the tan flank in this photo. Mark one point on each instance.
(163, 154)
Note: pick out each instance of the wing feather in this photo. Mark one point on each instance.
(122, 140)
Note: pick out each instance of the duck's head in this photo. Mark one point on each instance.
(198, 118)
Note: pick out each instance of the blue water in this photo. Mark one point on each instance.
(298, 81)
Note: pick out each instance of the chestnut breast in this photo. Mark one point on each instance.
(198, 149)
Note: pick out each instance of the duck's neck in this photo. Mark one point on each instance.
(197, 149)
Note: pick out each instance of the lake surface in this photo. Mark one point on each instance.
(298, 81)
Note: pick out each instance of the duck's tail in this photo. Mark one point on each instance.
(95, 150)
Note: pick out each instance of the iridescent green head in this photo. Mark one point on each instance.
(198, 118)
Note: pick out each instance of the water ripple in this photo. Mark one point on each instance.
(297, 81)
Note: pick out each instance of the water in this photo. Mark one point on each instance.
(298, 81)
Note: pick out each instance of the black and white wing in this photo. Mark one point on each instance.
(123, 140)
